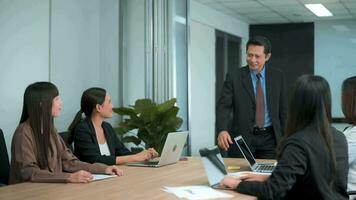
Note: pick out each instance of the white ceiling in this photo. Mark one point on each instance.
(281, 11)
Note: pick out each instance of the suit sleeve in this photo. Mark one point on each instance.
(224, 106)
(87, 148)
(283, 107)
(292, 164)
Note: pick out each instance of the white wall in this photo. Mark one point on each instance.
(74, 44)
(134, 52)
(203, 23)
(109, 51)
(84, 51)
(24, 40)
(334, 53)
(74, 52)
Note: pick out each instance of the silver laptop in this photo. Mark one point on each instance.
(256, 167)
(213, 165)
(171, 152)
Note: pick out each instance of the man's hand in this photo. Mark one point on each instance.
(224, 140)
(80, 177)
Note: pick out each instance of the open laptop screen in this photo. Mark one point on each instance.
(245, 150)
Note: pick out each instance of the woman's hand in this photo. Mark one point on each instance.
(80, 177)
(230, 182)
(146, 154)
(153, 152)
(113, 170)
(254, 177)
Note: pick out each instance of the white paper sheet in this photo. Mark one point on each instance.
(97, 177)
(196, 192)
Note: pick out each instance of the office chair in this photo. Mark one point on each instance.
(4, 161)
(64, 136)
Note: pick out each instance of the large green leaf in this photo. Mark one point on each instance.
(142, 104)
(149, 114)
(125, 111)
(163, 107)
(153, 122)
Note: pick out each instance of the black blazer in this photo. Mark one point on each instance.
(303, 171)
(86, 146)
(238, 97)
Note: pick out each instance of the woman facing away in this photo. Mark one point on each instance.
(313, 156)
(349, 110)
(94, 139)
(38, 153)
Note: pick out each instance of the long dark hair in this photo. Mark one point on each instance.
(37, 109)
(90, 98)
(349, 99)
(310, 106)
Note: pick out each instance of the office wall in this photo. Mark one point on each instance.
(335, 47)
(24, 56)
(292, 48)
(203, 22)
(84, 51)
(134, 51)
(74, 44)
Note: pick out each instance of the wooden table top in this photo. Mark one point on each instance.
(137, 183)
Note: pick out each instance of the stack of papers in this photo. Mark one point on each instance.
(196, 192)
(97, 177)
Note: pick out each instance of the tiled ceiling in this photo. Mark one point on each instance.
(281, 11)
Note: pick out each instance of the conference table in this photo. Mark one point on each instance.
(137, 183)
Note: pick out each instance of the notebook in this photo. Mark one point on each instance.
(171, 152)
(256, 167)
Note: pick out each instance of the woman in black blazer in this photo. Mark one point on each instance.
(94, 139)
(313, 156)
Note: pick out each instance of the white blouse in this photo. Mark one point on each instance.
(104, 149)
(350, 134)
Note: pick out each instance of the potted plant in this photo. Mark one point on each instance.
(152, 121)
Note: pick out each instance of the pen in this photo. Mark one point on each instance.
(190, 191)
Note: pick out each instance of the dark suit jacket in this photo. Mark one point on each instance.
(303, 171)
(86, 146)
(238, 97)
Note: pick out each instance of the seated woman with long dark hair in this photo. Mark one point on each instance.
(38, 153)
(94, 139)
(349, 110)
(313, 156)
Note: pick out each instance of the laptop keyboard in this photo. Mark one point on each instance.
(265, 167)
(151, 162)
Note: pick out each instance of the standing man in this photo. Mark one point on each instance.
(256, 96)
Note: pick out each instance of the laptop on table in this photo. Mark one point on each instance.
(171, 152)
(256, 167)
(213, 165)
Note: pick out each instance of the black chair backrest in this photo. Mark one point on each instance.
(4, 161)
(64, 136)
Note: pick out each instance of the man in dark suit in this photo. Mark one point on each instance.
(256, 96)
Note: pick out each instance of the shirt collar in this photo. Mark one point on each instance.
(263, 72)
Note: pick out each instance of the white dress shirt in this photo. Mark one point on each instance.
(350, 134)
(104, 149)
